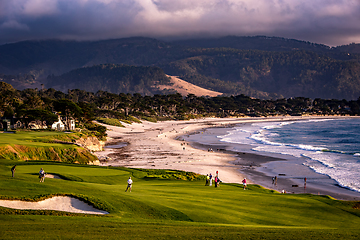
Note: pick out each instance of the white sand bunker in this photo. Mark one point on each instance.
(48, 175)
(59, 203)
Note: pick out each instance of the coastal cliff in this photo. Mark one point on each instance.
(61, 147)
(91, 143)
(71, 154)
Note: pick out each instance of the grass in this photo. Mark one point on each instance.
(39, 145)
(165, 204)
(110, 121)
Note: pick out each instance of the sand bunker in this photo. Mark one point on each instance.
(48, 175)
(59, 203)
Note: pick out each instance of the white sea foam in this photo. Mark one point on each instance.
(341, 167)
(343, 171)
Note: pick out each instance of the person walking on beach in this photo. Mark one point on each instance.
(13, 170)
(244, 183)
(42, 175)
(210, 179)
(129, 181)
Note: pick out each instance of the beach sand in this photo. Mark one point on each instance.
(184, 145)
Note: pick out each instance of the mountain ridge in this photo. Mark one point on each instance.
(260, 66)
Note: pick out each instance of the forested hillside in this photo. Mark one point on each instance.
(261, 67)
(256, 42)
(266, 74)
(111, 78)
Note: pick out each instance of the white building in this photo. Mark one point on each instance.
(72, 125)
(59, 125)
(37, 124)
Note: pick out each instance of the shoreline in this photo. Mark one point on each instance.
(170, 145)
(261, 167)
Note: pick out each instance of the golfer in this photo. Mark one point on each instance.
(42, 175)
(129, 184)
(244, 183)
(13, 170)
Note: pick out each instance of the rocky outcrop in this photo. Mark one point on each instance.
(91, 143)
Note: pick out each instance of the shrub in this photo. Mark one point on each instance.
(110, 121)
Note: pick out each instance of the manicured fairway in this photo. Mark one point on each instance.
(160, 207)
(31, 138)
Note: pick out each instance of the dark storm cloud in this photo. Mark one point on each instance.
(331, 22)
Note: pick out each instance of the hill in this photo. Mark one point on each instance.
(263, 43)
(111, 78)
(115, 78)
(262, 67)
(264, 74)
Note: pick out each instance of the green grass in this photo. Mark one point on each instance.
(110, 121)
(29, 138)
(166, 204)
(39, 145)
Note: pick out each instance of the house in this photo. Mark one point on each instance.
(15, 123)
(69, 124)
(58, 125)
(6, 125)
(37, 124)
(18, 124)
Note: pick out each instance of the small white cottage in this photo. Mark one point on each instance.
(58, 125)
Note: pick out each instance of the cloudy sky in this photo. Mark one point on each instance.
(331, 22)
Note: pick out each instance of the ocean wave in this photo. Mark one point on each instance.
(321, 120)
(326, 154)
(278, 125)
(261, 138)
(344, 177)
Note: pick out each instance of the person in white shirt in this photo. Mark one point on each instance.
(129, 184)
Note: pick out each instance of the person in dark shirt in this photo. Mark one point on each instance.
(13, 170)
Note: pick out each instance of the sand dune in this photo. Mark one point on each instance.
(185, 88)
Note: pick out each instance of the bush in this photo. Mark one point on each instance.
(133, 119)
(98, 130)
(110, 121)
(150, 119)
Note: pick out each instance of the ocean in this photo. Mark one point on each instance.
(327, 146)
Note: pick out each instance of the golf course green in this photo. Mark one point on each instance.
(164, 204)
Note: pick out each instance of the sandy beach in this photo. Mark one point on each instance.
(177, 145)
